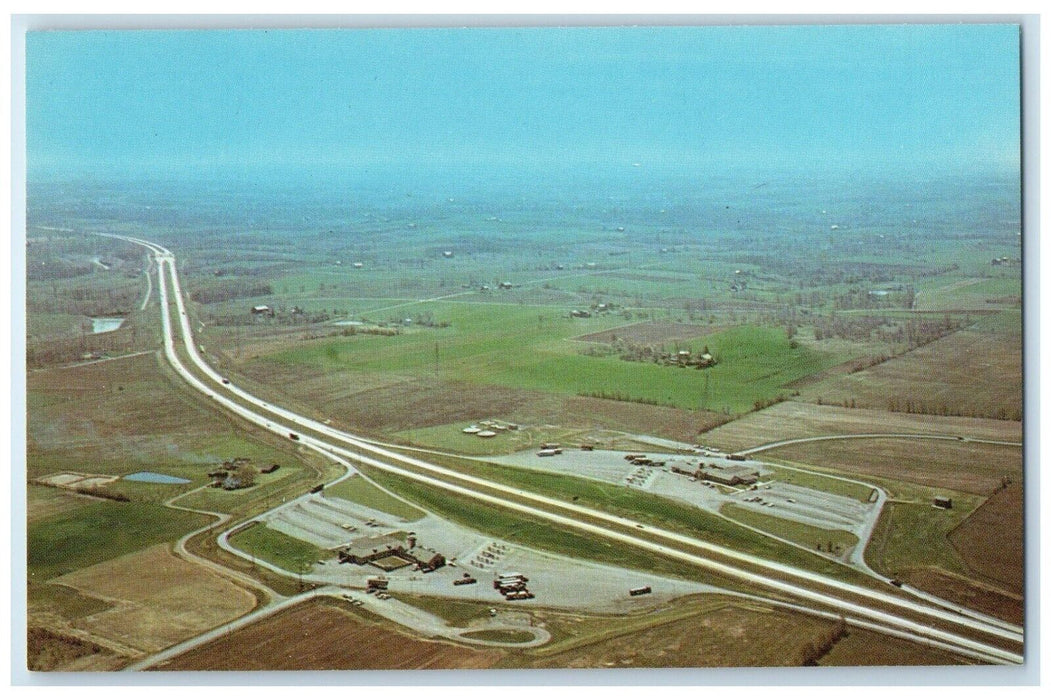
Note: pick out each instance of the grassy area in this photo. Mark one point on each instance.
(613, 499)
(279, 549)
(812, 480)
(915, 534)
(359, 490)
(800, 533)
(67, 602)
(657, 510)
(99, 532)
(453, 439)
(529, 348)
(456, 612)
(529, 532)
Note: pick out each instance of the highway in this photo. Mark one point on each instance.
(337, 442)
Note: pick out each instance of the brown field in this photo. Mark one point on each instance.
(651, 333)
(157, 599)
(864, 648)
(724, 635)
(321, 635)
(970, 593)
(728, 636)
(991, 541)
(92, 403)
(971, 467)
(47, 650)
(43, 502)
(793, 419)
(967, 373)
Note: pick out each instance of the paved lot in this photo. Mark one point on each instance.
(804, 505)
(556, 581)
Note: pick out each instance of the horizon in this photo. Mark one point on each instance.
(664, 102)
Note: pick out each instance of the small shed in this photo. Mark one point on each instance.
(943, 502)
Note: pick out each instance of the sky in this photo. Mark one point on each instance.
(157, 102)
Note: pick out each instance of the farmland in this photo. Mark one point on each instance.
(168, 599)
(529, 349)
(936, 465)
(325, 636)
(990, 540)
(793, 419)
(430, 344)
(939, 378)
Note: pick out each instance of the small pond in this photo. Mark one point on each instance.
(105, 325)
(155, 478)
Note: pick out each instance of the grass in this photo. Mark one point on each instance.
(645, 507)
(456, 612)
(915, 534)
(529, 532)
(616, 500)
(288, 553)
(68, 602)
(812, 480)
(360, 491)
(99, 532)
(800, 533)
(528, 348)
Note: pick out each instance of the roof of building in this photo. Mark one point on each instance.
(366, 546)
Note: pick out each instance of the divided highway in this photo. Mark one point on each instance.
(776, 576)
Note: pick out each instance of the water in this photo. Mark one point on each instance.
(347, 323)
(155, 478)
(105, 325)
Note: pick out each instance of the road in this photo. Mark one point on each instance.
(864, 436)
(337, 442)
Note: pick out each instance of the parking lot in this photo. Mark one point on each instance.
(772, 497)
(555, 581)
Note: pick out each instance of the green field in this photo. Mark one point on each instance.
(915, 534)
(101, 531)
(813, 480)
(807, 535)
(530, 348)
(288, 553)
(359, 490)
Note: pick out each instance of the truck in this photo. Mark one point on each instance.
(293, 436)
(519, 595)
(550, 446)
(318, 489)
(640, 590)
(549, 452)
(509, 578)
(465, 581)
(511, 585)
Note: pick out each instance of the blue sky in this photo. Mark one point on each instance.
(928, 96)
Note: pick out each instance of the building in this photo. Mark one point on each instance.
(388, 553)
(728, 475)
(943, 502)
(262, 310)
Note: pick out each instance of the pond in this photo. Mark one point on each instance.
(105, 325)
(155, 478)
